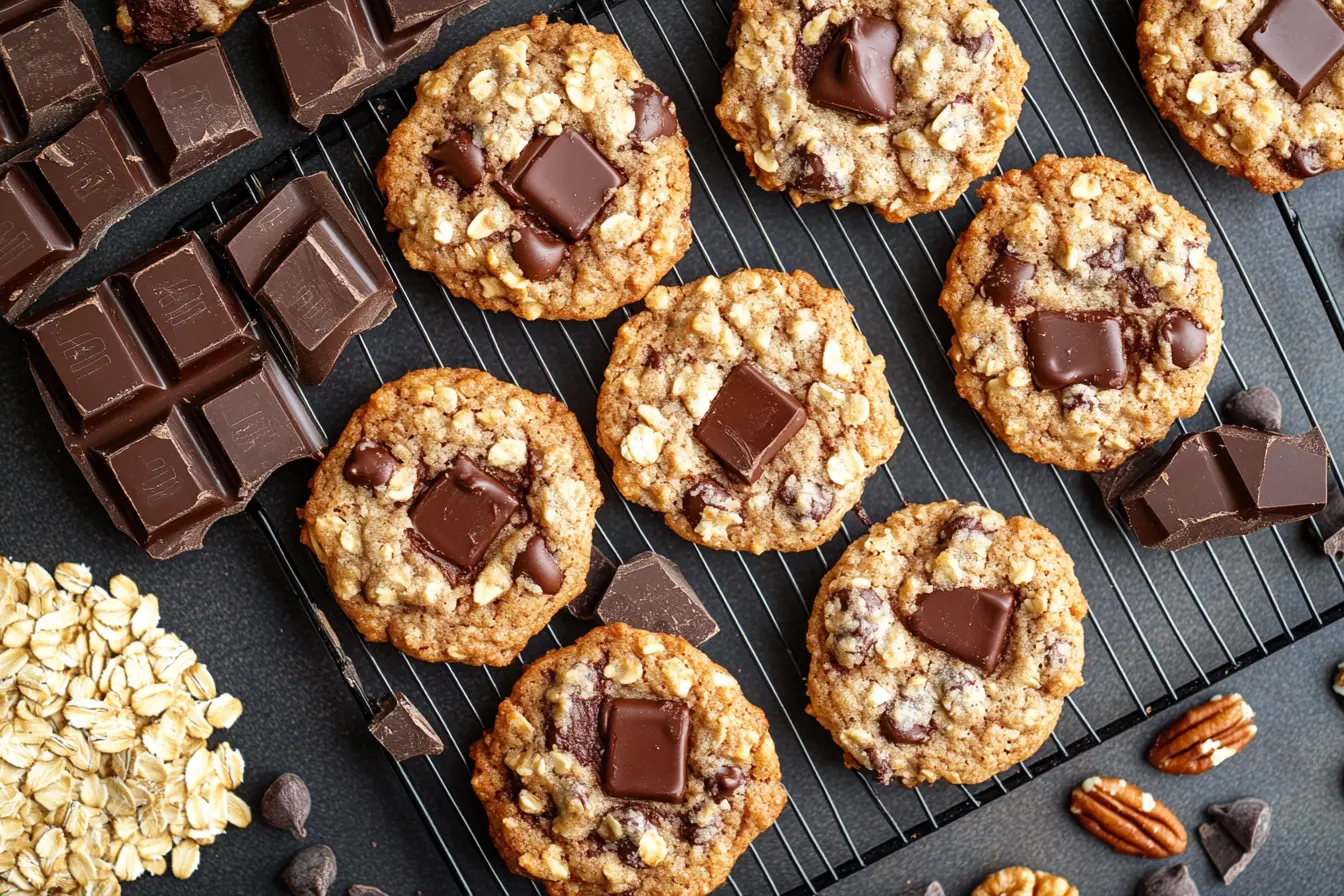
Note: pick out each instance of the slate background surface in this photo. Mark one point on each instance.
(231, 602)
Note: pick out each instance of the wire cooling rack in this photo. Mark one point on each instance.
(1162, 625)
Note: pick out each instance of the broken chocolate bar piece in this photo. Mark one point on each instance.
(1228, 481)
(403, 731)
(50, 76)
(312, 270)
(158, 24)
(600, 573)
(649, 592)
(1115, 482)
(1235, 835)
(179, 113)
(168, 403)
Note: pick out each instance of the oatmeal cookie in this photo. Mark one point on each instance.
(541, 173)
(1253, 85)
(455, 515)
(748, 410)
(1019, 881)
(628, 762)
(899, 104)
(1088, 313)
(944, 643)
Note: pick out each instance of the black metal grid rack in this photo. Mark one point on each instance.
(1162, 626)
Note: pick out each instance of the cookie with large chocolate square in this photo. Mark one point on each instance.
(944, 642)
(540, 172)
(1256, 86)
(1088, 314)
(748, 410)
(628, 762)
(454, 516)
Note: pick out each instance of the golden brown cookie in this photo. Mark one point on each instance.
(895, 103)
(540, 172)
(1088, 314)
(628, 762)
(454, 516)
(1019, 881)
(747, 410)
(944, 642)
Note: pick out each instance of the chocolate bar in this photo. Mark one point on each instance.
(330, 51)
(179, 113)
(50, 76)
(303, 257)
(164, 396)
(1231, 480)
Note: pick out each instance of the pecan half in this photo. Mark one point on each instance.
(1204, 737)
(1127, 819)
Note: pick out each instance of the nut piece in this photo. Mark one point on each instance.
(1127, 819)
(1020, 881)
(1204, 737)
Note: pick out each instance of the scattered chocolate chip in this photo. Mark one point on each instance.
(749, 421)
(286, 804)
(900, 730)
(1235, 835)
(311, 872)
(1171, 881)
(960, 522)
(855, 73)
(563, 178)
(1004, 283)
(1115, 482)
(539, 252)
(537, 563)
(726, 782)
(1111, 257)
(1331, 521)
(1185, 337)
(646, 746)
(370, 464)
(814, 178)
(456, 156)
(808, 499)
(969, 623)
(1304, 161)
(978, 45)
(600, 573)
(1257, 407)
(703, 494)
(1068, 348)
(650, 593)
(1141, 293)
(654, 117)
(1300, 40)
(459, 515)
(403, 731)
(363, 890)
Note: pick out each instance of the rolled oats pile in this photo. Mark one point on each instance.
(105, 772)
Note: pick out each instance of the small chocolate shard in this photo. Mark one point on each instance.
(1171, 881)
(1257, 407)
(650, 593)
(1331, 521)
(539, 252)
(654, 116)
(855, 73)
(1235, 835)
(403, 731)
(1115, 482)
(600, 573)
(1184, 337)
(457, 157)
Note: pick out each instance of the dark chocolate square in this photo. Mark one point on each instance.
(317, 46)
(1300, 40)
(565, 179)
(49, 60)
(1069, 348)
(31, 236)
(309, 293)
(969, 623)
(646, 743)
(749, 421)
(258, 424)
(460, 514)
(95, 171)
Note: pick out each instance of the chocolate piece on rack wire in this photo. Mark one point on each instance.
(600, 573)
(403, 731)
(169, 404)
(1115, 482)
(649, 592)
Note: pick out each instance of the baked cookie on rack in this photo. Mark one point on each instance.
(1020, 881)
(1254, 85)
(628, 762)
(898, 104)
(541, 173)
(1088, 313)
(455, 515)
(747, 410)
(944, 642)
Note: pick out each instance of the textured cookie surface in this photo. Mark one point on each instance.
(666, 382)
(543, 772)
(881, 680)
(1019, 881)
(411, 473)
(561, 118)
(941, 94)
(1230, 103)
(1088, 314)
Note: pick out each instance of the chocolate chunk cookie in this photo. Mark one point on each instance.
(165, 23)
(628, 762)
(895, 103)
(1253, 85)
(1019, 881)
(944, 643)
(748, 410)
(1088, 313)
(455, 515)
(540, 172)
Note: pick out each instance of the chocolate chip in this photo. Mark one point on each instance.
(1003, 285)
(459, 515)
(580, 736)
(565, 179)
(855, 72)
(1115, 482)
(370, 464)
(1300, 40)
(363, 890)
(650, 593)
(726, 782)
(1304, 161)
(311, 872)
(1230, 66)
(1172, 881)
(403, 731)
(1111, 257)
(600, 573)
(749, 421)
(163, 23)
(901, 731)
(1185, 337)
(286, 804)
(1139, 291)
(961, 522)
(978, 45)
(1257, 407)
(654, 117)
(969, 623)
(539, 252)
(806, 499)
(646, 746)
(456, 156)
(703, 494)
(856, 634)
(1068, 348)
(814, 178)
(1235, 835)
(537, 563)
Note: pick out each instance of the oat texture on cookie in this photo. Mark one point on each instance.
(1088, 314)
(1256, 86)
(454, 516)
(748, 410)
(898, 104)
(628, 762)
(540, 172)
(944, 642)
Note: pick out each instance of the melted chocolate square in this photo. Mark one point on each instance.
(749, 421)
(461, 513)
(565, 179)
(646, 747)
(855, 73)
(969, 623)
(1300, 40)
(1066, 348)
